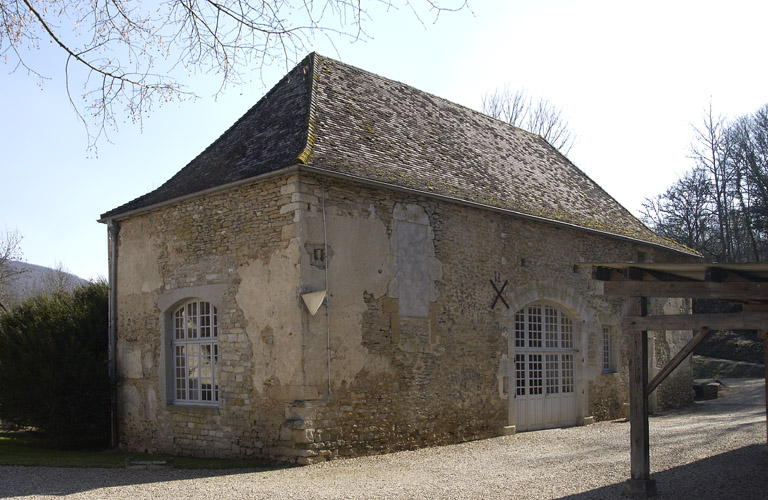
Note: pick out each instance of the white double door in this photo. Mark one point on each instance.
(544, 392)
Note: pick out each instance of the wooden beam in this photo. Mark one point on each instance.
(662, 276)
(715, 321)
(675, 361)
(729, 290)
(717, 274)
(722, 274)
(633, 273)
(755, 308)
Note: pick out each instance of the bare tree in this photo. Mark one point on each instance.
(10, 249)
(748, 162)
(710, 152)
(536, 116)
(684, 212)
(720, 208)
(56, 279)
(122, 52)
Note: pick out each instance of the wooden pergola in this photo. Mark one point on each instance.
(746, 284)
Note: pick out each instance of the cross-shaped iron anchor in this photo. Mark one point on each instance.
(498, 294)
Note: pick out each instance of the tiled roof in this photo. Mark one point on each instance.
(340, 119)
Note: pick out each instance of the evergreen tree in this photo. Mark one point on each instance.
(54, 367)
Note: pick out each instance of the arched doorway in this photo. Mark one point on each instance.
(545, 370)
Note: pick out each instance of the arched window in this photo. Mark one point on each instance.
(195, 347)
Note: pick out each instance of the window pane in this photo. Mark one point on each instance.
(534, 326)
(205, 320)
(193, 371)
(567, 372)
(550, 326)
(206, 373)
(192, 320)
(520, 374)
(181, 379)
(215, 375)
(566, 332)
(520, 329)
(606, 349)
(178, 324)
(552, 373)
(215, 323)
(535, 374)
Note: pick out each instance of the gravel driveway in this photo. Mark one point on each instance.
(712, 450)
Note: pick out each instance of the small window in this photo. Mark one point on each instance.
(608, 366)
(195, 349)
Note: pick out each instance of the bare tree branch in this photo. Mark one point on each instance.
(10, 249)
(538, 117)
(119, 55)
(720, 208)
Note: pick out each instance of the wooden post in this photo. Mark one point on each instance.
(640, 484)
(764, 335)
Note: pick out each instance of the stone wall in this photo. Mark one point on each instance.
(230, 248)
(412, 348)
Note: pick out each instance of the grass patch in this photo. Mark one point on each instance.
(29, 449)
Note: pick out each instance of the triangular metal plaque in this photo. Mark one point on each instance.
(313, 301)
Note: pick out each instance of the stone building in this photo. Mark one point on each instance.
(357, 267)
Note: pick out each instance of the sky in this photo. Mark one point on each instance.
(632, 78)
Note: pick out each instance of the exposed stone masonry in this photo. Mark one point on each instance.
(396, 381)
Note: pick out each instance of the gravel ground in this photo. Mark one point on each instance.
(712, 450)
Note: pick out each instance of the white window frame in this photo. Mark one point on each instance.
(195, 354)
(608, 359)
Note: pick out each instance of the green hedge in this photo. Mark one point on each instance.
(54, 367)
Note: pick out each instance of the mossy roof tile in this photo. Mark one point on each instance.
(344, 120)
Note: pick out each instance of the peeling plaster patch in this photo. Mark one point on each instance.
(140, 254)
(129, 362)
(417, 266)
(268, 296)
(129, 399)
(267, 335)
(151, 404)
(413, 282)
(361, 249)
(410, 213)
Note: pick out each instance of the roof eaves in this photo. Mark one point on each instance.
(199, 194)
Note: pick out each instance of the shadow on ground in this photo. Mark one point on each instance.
(22, 481)
(738, 474)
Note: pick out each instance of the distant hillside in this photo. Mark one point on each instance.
(30, 279)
